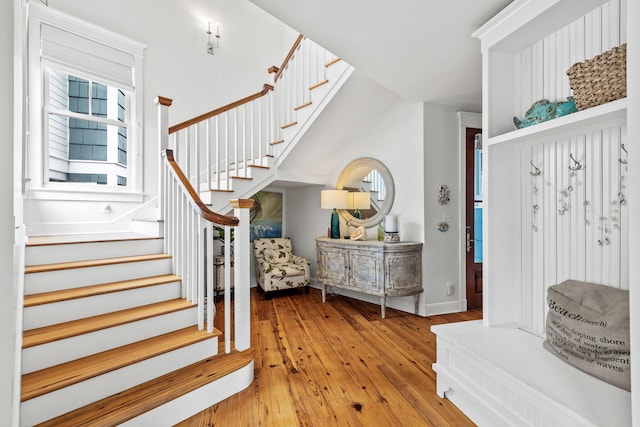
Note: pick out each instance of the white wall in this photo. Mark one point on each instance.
(419, 144)
(8, 290)
(177, 66)
(441, 166)
(396, 139)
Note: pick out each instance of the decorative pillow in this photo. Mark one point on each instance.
(275, 256)
(588, 327)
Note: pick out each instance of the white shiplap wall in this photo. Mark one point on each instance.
(540, 70)
(588, 239)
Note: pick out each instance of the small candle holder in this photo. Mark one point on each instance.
(391, 237)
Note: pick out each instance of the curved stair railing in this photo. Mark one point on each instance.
(206, 154)
(186, 215)
(231, 143)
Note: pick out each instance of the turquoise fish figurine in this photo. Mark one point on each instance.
(544, 110)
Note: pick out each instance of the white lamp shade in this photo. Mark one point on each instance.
(359, 200)
(334, 199)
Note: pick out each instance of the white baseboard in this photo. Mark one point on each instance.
(444, 308)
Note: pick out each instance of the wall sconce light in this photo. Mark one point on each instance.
(334, 199)
(359, 200)
(211, 45)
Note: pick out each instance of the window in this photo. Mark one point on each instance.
(88, 137)
(87, 132)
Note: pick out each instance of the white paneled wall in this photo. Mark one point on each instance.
(540, 70)
(574, 216)
(573, 225)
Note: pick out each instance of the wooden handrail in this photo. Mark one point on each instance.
(195, 200)
(265, 89)
(289, 55)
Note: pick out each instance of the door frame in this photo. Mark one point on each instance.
(465, 120)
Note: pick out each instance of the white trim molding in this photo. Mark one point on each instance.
(465, 120)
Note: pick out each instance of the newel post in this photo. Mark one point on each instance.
(242, 298)
(163, 143)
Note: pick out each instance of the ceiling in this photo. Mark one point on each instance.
(421, 50)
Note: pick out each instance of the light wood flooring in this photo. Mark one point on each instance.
(337, 364)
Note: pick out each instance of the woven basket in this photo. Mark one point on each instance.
(601, 79)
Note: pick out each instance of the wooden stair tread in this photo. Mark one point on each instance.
(301, 106)
(280, 141)
(45, 334)
(92, 263)
(259, 167)
(318, 84)
(137, 400)
(37, 383)
(333, 61)
(88, 291)
(288, 125)
(247, 178)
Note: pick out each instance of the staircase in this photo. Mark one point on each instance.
(114, 328)
(106, 318)
(234, 151)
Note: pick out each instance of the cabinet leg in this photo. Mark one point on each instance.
(416, 301)
(324, 292)
(383, 304)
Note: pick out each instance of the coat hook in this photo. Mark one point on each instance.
(576, 164)
(536, 170)
(625, 161)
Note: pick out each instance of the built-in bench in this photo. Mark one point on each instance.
(502, 376)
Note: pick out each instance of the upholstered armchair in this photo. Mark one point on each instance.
(277, 267)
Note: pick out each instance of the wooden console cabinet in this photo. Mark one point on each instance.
(371, 267)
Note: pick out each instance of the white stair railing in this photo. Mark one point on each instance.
(224, 144)
(221, 144)
(189, 235)
(209, 151)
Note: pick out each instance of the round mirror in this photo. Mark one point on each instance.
(361, 177)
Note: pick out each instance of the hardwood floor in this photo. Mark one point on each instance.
(337, 364)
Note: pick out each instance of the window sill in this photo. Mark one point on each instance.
(84, 194)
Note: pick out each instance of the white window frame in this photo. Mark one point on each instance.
(37, 169)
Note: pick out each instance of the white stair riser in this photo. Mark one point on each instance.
(50, 254)
(196, 401)
(35, 283)
(220, 201)
(65, 311)
(61, 401)
(148, 227)
(61, 351)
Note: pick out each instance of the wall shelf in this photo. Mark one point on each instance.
(583, 121)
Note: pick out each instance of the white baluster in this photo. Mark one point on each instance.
(209, 272)
(208, 154)
(244, 141)
(242, 298)
(217, 152)
(200, 259)
(227, 288)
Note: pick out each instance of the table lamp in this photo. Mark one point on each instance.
(334, 199)
(359, 200)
